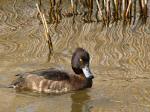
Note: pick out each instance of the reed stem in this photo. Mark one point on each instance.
(46, 32)
(128, 8)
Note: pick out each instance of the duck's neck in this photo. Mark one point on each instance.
(81, 79)
(77, 70)
(80, 82)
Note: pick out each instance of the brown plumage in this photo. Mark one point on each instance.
(57, 81)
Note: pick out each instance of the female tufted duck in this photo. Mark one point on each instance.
(56, 81)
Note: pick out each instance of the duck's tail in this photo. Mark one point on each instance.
(6, 86)
(14, 83)
(17, 82)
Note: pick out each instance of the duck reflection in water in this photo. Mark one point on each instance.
(79, 100)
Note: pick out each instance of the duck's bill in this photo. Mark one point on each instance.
(87, 72)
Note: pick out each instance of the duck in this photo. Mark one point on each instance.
(58, 81)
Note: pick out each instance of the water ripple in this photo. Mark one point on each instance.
(120, 56)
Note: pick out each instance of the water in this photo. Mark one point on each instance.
(120, 62)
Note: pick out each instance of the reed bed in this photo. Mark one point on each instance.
(105, 11)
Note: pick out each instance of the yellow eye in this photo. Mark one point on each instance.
(81, 61)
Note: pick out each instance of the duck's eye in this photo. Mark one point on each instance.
(81, 61)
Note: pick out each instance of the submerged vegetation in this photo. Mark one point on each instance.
(105, 11)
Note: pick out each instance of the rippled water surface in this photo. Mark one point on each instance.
(120, 61)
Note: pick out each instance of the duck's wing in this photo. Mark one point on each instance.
(52, 74)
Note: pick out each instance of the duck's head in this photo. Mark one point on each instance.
(80, 63)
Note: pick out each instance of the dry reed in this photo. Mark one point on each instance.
(108, 10)
(46, 32)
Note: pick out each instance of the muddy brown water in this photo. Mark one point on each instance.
(120, 62)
